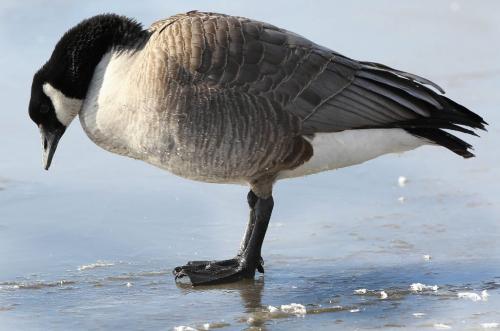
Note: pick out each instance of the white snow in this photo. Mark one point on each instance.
(98, 264)
(419, 287)
(474, 296)
(184, 328)
(272, 309)
(294, 308)
(402, 181)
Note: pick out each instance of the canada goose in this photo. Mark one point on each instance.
(227, 99)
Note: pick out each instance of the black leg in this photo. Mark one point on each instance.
(252, 200)
(249, 257)
(260, 215)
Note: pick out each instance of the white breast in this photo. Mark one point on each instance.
(350, 147)
(111, 103)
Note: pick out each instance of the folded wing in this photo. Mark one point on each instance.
(327, 91)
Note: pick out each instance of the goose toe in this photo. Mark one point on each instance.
(215, 272)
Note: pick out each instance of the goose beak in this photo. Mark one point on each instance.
(50, 138)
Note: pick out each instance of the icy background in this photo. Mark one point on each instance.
(90, 244)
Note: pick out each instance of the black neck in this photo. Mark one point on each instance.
(76, 55)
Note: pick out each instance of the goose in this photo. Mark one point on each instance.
(225, 99)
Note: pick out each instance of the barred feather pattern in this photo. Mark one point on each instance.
(235, 98)
(327, 91)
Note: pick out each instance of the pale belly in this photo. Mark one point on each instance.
(350, 147)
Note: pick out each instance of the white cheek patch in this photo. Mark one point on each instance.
(66, 108)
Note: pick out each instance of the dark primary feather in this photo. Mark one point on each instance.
(325, 90)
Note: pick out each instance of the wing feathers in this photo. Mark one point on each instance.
(325, 90)
(395, 81)
(407, 75)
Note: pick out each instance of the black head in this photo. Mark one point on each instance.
(60, 86)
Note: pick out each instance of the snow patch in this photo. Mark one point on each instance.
(294, 308)
(469, 295)
(419, 287)
(184, 328)
(98, 264)
(272, 309)
(402, 181)
(474, 296)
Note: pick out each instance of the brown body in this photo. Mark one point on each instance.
(219, 98)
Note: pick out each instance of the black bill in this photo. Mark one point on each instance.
(50, 138)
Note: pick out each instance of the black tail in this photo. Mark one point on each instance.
(442, 113)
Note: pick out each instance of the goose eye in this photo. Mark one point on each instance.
(44, 109)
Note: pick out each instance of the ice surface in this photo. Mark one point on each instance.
(342, 230)
(293, 309)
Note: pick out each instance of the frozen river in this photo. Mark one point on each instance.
(90, 244)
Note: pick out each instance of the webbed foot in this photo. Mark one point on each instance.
(217, 272)
(249, 257)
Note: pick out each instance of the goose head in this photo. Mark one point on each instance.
(59, 87)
